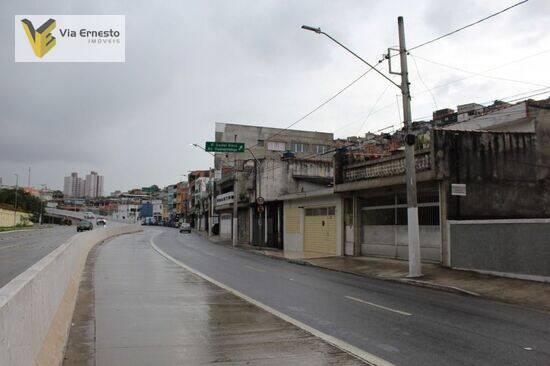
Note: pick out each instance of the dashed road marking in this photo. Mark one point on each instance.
(378, 306)
(254, 268)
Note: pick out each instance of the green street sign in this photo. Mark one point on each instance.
(233, 147)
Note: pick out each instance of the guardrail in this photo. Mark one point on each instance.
(36, 307)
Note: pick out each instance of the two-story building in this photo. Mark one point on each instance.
(275, 163)
(478, 191)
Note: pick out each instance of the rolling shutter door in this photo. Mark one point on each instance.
(320, 230)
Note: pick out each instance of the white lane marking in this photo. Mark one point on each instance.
(254, 268)
(369, 358)
(378, 306)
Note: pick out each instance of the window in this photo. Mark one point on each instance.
(260, 143)
(299, 147)
(276, 146)
(320, 211)
(321, 149)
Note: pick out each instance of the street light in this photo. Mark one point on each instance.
(415, 269)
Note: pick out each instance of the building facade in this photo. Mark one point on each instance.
(73, 186)
(274, 163)
(93, 185)
(477, 191)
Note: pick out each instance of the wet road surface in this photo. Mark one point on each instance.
(135, 307)
(21, 249)
(402, 324)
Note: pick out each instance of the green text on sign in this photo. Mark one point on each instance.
(224, 146)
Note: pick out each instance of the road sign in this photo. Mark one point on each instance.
(458, 189)
(260, 200)
(260, 208)
(214, 146)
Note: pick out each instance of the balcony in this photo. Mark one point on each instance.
(225, 199)
(385, 167)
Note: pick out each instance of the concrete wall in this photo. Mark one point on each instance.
(512, 248)
(6, 218)
(36, 307)
(392, 241)
(277, 176)
(502, 173)
(294, 220)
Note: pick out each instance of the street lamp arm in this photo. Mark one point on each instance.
(319, 31)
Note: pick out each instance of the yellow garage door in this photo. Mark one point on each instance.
(320, 230)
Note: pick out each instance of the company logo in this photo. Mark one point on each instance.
(41, 39)
(76, 38)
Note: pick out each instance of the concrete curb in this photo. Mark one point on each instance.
(406, 281)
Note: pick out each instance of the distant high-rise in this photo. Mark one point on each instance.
(89, 187)
(93, 186)
(73, 186)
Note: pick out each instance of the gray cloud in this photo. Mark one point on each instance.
(190, 64)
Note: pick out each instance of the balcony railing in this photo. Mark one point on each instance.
(385, 167)
(225, 199)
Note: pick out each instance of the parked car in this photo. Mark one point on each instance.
(101, 222)
(84, 225)
(89, 215)
(185, 227)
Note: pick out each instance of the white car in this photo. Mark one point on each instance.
(185, 227)
(89, 215)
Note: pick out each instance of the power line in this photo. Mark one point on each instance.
(321, 105)
(468, 25)
(423, 83)
(414, 57)
(458, 80)
(372, 108)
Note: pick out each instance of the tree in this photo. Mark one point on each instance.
(25, 202)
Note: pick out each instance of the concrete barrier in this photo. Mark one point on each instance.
(36, 307)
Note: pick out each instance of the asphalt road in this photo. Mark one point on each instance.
(402, 324)
(21, 249)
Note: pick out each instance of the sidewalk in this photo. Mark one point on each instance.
(532, 294)
(137, 308)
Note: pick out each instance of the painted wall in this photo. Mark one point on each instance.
(500, 247)
(6, 218)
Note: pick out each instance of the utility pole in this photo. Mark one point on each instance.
(410, 166)
(235, 198)
(15, 205)
(415, 268)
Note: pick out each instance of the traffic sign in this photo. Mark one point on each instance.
(214, 146)
(260, 200)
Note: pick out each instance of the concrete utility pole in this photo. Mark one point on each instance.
(235, 198)
(415, 267)
(410, 166)
(15, 205)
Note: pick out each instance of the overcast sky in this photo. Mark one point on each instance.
(190, 64)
